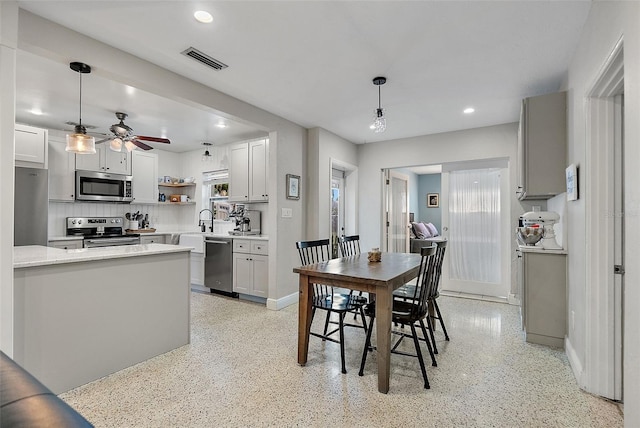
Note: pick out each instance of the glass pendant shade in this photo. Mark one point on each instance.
(130, 146)
(81, 143)
(116, 144)
(379, 123)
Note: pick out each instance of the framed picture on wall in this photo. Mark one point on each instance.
(293, 186)
(433, 200)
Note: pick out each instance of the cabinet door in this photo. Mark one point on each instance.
(61, 171)
(145, 177)
(91, 162)
(258, 171)
(118, 162)
(197, 268)
(239, 173)
(30, 146)
(242, 273)
(260, 276)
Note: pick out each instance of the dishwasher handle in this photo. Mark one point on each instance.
(207, 241)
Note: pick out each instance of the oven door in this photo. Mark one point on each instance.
(110, 242)
(103, 187)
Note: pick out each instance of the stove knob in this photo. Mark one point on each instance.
(117, 220)
(79, 222)
(73, 221)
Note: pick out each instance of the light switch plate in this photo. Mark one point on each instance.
(287, 212)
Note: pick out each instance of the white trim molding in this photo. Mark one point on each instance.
(283, 302)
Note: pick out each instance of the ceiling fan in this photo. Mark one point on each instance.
(124, 136)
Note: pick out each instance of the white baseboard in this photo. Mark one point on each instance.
(283, 302)
(574, 362)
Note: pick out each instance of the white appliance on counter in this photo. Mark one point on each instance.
(546, 220)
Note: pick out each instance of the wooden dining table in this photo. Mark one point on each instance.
(357, 273)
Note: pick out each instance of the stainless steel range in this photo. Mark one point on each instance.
(100, 231)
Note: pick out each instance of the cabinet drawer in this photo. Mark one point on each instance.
(67, 244)
(259, 247)
(156, 239)
(241, 246)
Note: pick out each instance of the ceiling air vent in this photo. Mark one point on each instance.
(204, 58)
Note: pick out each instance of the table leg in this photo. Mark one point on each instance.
(384, 300)
(304, 318)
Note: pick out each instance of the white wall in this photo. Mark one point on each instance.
(607, 23)
(498, 141)
(324, 148)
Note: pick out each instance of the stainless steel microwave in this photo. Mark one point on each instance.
(103, 187)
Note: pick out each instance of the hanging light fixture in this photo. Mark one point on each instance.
(379, 121)
(79, 142)
(206, 157)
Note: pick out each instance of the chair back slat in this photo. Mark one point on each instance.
(312, 252)
(425, 281)
(349, 245)
(439, 259)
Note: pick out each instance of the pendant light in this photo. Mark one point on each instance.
(79, 142)
(379, 121)
(206, 157)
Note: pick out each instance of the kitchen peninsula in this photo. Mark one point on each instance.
(82, 314)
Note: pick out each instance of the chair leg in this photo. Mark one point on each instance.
(426, 339)
(444, 330)
(341, 318)
(364, 319)
(367, 343)
(416, 342)
(433, 337)
(326, 324)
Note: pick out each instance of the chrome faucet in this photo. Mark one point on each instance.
(202, 223)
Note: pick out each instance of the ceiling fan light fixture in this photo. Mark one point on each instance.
(116, 144)
(203, 16)
(79, 142)
(379, 121)
(130, 146)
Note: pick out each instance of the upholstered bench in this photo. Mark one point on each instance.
(25, 402)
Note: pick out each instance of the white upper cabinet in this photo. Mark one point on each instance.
(61, 171)
(105, 160)
(30, 146)
(144, 169)
(239, 173)
(248, 171)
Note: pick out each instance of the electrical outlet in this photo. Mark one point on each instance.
(287, 212)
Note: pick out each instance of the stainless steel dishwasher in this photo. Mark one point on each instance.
(218, 265)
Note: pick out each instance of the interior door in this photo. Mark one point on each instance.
(618, 238)
(396, 195)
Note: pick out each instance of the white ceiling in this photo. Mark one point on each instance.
(313, 63)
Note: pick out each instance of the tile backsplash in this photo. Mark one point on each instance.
(171, 218)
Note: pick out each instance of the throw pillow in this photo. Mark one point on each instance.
(421, 231)
(432, 229)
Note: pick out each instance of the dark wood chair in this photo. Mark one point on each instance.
(349, 245)
(409, 311)
(408, 289)
(312, 252)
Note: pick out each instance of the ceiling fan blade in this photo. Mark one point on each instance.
(153, 139)
(141, 145)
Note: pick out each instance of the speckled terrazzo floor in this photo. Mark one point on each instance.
(240, 370)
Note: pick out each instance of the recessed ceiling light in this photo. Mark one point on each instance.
(372, 126)
(203, 16)
(36, 111)
(221, 124)
(468, 110)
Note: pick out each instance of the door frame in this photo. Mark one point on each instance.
(387, 174)
(601, 359)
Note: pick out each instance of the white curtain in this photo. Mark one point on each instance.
(474, 225)
(399, 216)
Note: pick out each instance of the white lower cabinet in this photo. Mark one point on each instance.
(66, 244)
(197, 268)
(251, 267)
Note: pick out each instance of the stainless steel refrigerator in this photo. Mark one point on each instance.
(31, 206)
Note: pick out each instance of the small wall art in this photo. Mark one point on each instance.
(293, 186)
(433, 200)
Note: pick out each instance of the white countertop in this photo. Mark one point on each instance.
(539, 249)
(36, 255)
(160, 232)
